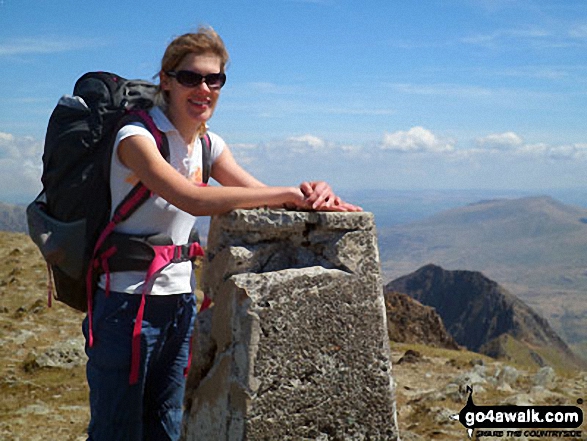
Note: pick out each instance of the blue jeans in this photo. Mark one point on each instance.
(151, 409)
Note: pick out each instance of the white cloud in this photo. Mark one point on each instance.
(311, 141)
(568, 152)
(500, 141)
(417, 142)
(417, 139)
(42, 45)
(6, 138)
(507, 35)
(244, 152)
(20, 167)
(509, 143)
(352, 150)
(534, 71)
(282, 161)
(539, 149)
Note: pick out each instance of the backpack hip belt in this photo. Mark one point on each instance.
(136, 253)
(146, 253)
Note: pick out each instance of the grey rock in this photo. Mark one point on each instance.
(476, 376)
(507, 375)
(63, 354)
(455, 393)
(545, 377)
(39, 408)
(295, 346)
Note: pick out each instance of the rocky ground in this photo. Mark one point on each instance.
(42, 375)
(43, 395)
(431, 386)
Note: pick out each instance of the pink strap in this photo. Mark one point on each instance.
(49, 286)
(164, 255)
(94, 263)
(129, 204)
(187, 368)
(151, 126)
(105, 268)
(136, 343)
(205, 303)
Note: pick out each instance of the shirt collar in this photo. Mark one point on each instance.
(163, 123)
(161, 120)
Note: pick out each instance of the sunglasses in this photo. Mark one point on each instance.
(188, 78)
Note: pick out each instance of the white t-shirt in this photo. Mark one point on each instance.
(156, 215)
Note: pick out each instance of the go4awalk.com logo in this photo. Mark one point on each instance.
(527, 421)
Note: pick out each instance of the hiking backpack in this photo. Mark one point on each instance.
(70, 220)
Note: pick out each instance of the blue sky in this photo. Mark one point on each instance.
(453, 94)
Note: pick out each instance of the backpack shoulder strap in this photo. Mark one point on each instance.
(143, 117)
(206, 157)
(139, 193)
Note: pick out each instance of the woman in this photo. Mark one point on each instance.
(150, 407)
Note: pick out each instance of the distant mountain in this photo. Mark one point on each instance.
(12, 218)
(394, 207)
(528, 232)
(536, 247)
(484, 317)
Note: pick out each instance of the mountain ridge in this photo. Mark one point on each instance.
(478, 312)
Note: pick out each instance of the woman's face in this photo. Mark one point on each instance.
(192, 104)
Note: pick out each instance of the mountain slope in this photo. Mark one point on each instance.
(535, 247)
(478, 312)
(409, 321)
(524, 232)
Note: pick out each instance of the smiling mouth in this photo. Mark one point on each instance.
(200, 102)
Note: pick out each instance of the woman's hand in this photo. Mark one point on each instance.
(318, 194)
(297, 200)
(320, 197)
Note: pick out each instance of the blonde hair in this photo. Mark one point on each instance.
(204, 41)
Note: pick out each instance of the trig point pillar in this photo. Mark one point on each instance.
(295, 346)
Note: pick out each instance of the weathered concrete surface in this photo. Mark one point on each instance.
(295, 346)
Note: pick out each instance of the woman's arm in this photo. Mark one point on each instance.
(139, 154)
(319, 195)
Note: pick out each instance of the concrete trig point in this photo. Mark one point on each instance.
(295, 346)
